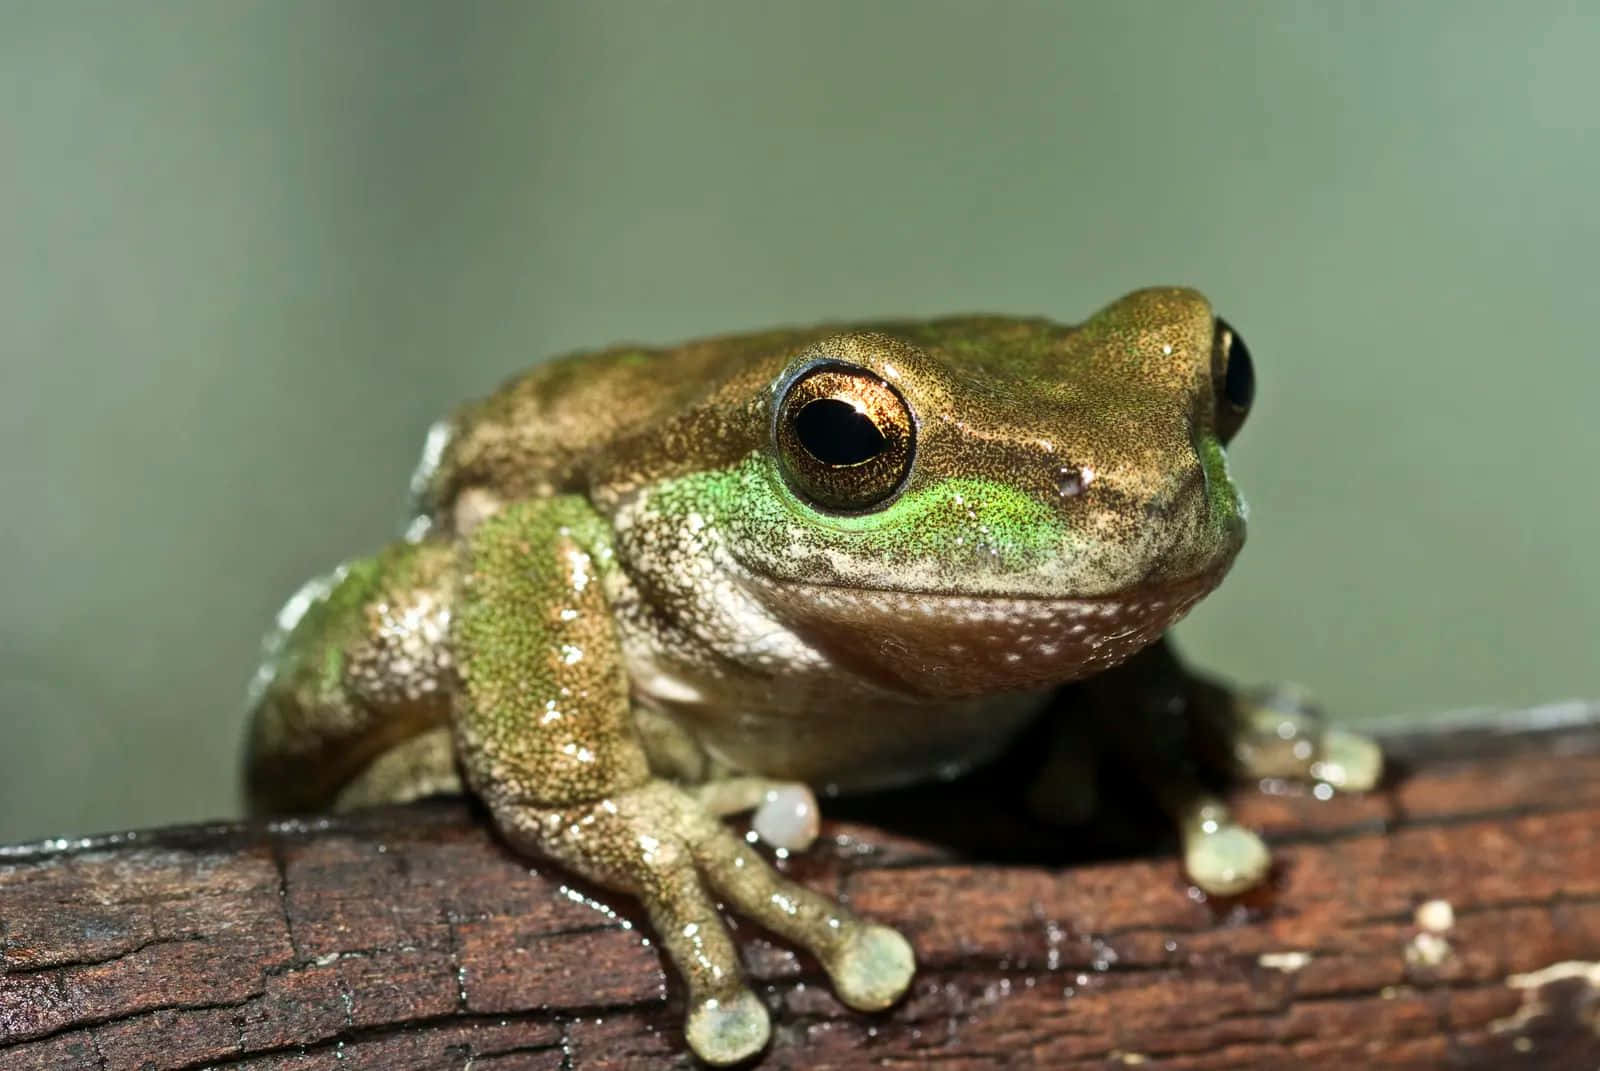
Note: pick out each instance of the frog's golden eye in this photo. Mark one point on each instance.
(844, 437)
(1233, 379)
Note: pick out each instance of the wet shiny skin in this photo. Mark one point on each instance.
(646, 589)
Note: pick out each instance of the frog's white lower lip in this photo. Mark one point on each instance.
(991, 619)
(1146, 592)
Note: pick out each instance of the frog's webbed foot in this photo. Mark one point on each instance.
(660, 844)
(1220, 855)
(1279, 732)
(1276, 732)
(1181, 734)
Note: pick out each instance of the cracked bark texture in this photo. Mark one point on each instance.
(410, 938)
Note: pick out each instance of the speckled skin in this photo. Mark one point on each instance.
(634, 601)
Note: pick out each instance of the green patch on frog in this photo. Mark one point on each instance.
(957, 521)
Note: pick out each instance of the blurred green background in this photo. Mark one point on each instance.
(249, 250)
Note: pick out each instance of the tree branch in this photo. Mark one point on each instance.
(409, 938)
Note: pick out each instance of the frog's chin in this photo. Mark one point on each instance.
(954, 645)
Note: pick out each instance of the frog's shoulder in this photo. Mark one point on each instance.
(569, 420)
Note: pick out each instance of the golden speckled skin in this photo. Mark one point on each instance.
(621, 613)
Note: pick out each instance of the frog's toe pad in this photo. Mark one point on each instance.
(1349, 761)
(874, 969)
(726, 1031)
(1227, 861)
(787, 818)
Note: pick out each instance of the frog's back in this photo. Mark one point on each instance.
(573, 421)
(628, 415)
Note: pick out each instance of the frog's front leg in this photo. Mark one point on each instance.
(1182, 734)
(547, 741)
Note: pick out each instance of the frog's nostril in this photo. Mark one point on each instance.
(1073, 480)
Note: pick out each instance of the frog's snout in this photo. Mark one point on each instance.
(1186, 521)
(1185, 494)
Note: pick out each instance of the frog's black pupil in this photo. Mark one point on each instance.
(836, 433)
(1239, 384)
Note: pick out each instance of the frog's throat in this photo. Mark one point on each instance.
(957, 645)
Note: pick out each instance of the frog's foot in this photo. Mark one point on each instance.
(1279, 732)
(870, 965)
(1221, 857)
(657, 842)
(786, 814)
(727, 1031)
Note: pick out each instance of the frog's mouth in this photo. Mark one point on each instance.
(952, 645)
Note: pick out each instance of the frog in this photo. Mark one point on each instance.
(647, 589)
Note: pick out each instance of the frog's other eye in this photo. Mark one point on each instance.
(844, 438)
(1233, 377)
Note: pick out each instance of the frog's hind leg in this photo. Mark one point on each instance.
(413, 769)
(352, 705)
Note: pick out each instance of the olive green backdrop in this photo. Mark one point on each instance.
(249, 250)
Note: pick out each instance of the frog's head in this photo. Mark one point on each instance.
(978, 504)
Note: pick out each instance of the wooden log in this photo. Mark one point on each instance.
(1451, 919)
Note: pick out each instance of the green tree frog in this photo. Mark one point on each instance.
(649, 588)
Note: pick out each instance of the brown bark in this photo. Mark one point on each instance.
(408, 937)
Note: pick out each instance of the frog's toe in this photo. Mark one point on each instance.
(729, 1030)
(786, 814)
(1279, 732)
(1226, 860)
(870, 965)
(1348, 761)
(1275, 731)
(872, 970)
(787, 817)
